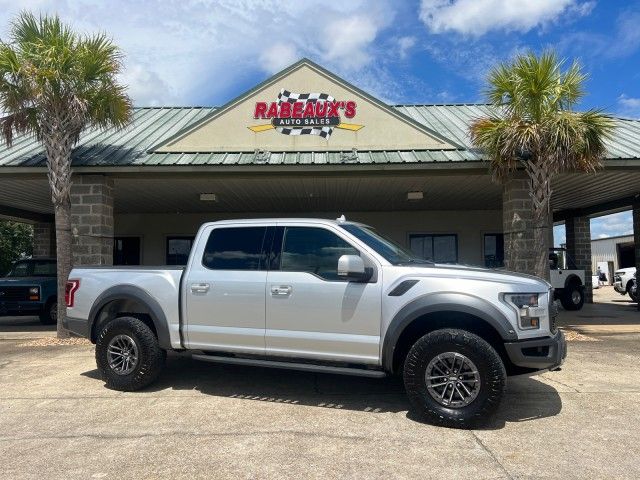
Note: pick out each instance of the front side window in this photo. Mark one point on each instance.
(435, 247)
(235, 249)
(313, 250)
(20, 269)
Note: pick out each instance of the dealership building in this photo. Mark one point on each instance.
(306, 143)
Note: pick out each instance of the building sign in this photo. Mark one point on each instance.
(305, 114)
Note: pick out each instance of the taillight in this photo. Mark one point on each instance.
(70, 290)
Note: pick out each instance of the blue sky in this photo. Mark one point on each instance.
(206, 52)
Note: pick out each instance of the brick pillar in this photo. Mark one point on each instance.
(92, 219)
(44, 240)
(579, 250)
(636, 236)
(517, 225)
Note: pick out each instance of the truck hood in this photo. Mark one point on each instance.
(477, 273)
(626, 270)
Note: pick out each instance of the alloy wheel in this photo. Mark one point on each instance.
(452, 380)
(122, 354)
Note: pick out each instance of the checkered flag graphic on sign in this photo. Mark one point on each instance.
(285, 96)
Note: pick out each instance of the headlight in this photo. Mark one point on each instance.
(34, 293)
(528, 308)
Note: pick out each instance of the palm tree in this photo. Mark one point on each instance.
(535, 130)
(54, 83)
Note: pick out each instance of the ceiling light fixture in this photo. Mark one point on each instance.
(414, 196)
(208, 197)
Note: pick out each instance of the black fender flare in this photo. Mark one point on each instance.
(136, 294)
(571, 280)
(443, 302)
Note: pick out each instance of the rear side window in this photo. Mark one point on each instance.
(313, 250)
(235, 249)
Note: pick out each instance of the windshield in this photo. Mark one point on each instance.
(388, 249)
(33, 268)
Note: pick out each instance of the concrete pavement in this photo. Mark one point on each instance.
(205, 421)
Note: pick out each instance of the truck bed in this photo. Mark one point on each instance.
(161, 283)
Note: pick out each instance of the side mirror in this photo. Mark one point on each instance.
(351, 267)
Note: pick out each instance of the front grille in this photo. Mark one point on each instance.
(14, 294)
(553, 312)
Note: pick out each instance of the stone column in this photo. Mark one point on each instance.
(579, 250)
(92, 219)
(636, 236)
(517, 225)
(44, 240)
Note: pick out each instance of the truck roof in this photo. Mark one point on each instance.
(318, 221)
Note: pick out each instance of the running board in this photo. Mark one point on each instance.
(304, 367)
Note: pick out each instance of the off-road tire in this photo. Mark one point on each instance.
(566, 299)
(490, 367)
(46, 317)
(630, 290)
(151, 358)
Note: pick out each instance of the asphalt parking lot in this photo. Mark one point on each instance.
(206, 421)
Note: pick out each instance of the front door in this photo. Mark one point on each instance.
(224, 290)
(311, 312)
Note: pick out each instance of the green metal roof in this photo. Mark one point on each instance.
(152, 126)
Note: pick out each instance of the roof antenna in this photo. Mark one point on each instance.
(341, 219)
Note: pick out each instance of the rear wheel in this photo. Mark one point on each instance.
(128, 354)
(632, 289)
(572, 297)
(454, 378)
(49, 316)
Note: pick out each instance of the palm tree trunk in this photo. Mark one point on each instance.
(541, 196)
(63, 254)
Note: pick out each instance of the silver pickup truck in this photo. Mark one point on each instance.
(322, 296)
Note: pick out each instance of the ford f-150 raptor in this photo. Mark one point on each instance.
(322, 296)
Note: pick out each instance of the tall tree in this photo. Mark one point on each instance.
(55, 83)
(535, 129)
(16, 241)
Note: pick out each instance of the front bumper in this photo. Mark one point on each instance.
(617, 286)
(539, 353)
(77, 326)
(20, 308)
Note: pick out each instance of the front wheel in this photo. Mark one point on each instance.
(128, 354)
(572, 297)
(49, 315)
(454, 378)
(633, 291)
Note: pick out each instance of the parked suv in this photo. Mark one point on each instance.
(322, 296)
(625, 281)
(30, 289)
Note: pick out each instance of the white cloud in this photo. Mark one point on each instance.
(198, 51)
(404, 45)
(477, 17)
(348, 39)
(278, 56)
(629, 106)
(612, 225)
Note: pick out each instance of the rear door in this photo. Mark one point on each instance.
(224, 289)
(311, 312)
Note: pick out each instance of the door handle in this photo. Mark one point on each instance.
(281, 290)
(199, 287)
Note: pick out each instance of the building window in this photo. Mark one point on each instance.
(126, 250)
(314, 250)
(178, 249)
(493, 250)
(439, 248)
(235, 249)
